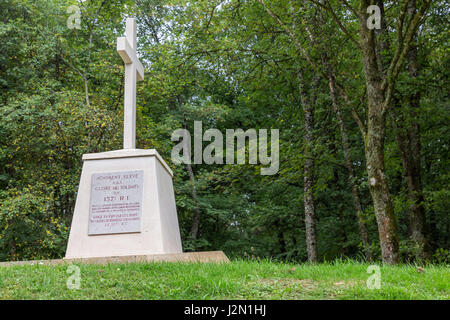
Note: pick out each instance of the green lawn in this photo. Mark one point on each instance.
(236, 280)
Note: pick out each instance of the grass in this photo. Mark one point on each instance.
(236, 280)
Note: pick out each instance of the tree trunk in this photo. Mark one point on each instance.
(195, 227)
(308, 172)
(196, 219)
(411, 164)
(349, 165)
(383, 207)
(408, 141)
(374, 144)
(342, 234)
(280, 236)
(413, 176)
(13, 249)
(310, 219)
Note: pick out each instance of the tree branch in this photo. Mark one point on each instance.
(355, 115)
(329, 8)
(342, 93)
(346, 4)
(341, 26)
(289, 32)
(403, 49)
(86, 86)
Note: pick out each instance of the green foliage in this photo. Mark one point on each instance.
(442, 256)
(28, 231)
(227, 64)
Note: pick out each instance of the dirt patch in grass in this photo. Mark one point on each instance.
(296, 289)
(287, 282)
(347, 284)
(282, 288)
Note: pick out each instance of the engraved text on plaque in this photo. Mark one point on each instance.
(116, 202)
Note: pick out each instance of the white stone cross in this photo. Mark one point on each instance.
(126, 47)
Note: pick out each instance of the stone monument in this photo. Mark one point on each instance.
(125, 204)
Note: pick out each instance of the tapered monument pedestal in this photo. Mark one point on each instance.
(125, 207)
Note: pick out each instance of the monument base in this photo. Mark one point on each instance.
(203, 257)
(125, 207)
